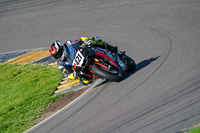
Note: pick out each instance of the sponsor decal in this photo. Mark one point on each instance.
(53, 50)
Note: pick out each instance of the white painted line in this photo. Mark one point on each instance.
(67, 106)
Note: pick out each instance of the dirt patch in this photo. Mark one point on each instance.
(58, 104)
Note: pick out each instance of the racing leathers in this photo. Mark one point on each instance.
(65, 64)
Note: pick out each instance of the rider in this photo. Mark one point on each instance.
(65, 54)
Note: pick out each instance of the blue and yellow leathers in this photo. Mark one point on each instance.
(71, 46)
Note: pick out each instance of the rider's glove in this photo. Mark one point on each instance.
(75, 74)
(88, 42)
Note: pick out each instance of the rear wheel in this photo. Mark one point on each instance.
(106, 74)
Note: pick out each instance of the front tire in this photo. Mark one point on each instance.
(130, 63)
(105, 74)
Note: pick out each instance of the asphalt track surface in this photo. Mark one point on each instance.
(162, 36)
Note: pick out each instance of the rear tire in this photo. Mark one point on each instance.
(107, 75)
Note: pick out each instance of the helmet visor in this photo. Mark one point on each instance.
(57, 56)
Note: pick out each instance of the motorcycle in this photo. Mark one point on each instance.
(100, 63)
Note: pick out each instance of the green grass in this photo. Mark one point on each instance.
(25, 90)
(194, 130)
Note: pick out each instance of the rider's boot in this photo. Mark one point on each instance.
(85, 79)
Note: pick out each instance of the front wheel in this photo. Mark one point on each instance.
(105, 74)
(130, 63)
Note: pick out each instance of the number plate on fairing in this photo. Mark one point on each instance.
(78, 60)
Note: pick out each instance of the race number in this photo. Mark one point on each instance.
(78, 60)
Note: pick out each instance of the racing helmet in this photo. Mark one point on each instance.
(57, 49)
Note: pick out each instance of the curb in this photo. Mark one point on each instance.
(98, 81)
(39, 56)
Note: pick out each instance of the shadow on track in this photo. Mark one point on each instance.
(141, 65)
(102, 83)
(145, 63)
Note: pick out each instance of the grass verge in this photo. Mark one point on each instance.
(26, 90)
(194, 130)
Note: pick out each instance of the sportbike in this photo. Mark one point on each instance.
(99, 63)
